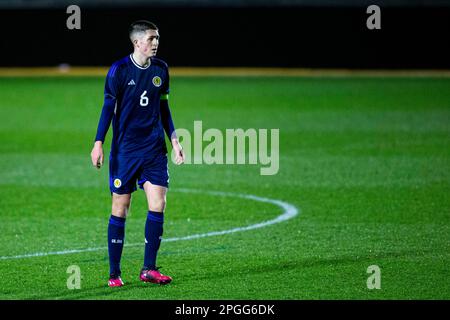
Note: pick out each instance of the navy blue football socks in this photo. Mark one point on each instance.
(153, 234)
(116, 236)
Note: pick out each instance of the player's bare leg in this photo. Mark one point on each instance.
(156, 199)
(120, 205)
(116, 236)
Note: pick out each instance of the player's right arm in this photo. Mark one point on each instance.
(109, 104)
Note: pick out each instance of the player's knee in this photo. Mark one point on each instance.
(120, 210)
(120, 206)
(157, 205)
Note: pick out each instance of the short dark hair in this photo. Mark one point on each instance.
(140, 26)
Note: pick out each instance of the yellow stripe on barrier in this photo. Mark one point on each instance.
(224, 72)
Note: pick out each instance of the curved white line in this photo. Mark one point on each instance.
(290, 211)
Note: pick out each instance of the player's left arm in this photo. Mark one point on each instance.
(169, 128)
(167, 122)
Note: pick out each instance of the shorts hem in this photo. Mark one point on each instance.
(156, 183)
(127, 191)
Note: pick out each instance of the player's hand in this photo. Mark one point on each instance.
(97, 154)
(179, 153)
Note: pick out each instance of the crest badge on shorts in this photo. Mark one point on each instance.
(117, 183)
(156, 81)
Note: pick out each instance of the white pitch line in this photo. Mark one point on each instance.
(290, 211)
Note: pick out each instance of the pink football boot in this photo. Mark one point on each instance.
(154, 276)
(115, 282)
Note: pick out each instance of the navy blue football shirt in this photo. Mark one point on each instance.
(133, 102)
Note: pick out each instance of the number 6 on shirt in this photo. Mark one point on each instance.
(144, 99)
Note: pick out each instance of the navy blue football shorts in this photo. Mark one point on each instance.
(124, 172)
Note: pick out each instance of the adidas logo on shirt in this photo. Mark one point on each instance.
(131, 83)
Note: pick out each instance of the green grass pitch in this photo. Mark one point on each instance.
(365, 161)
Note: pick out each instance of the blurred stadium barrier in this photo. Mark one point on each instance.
(250, 33)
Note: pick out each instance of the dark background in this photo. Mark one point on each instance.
(273, 34)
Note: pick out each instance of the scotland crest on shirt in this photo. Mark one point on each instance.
(156, 81)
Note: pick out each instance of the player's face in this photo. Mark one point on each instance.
(148, 43)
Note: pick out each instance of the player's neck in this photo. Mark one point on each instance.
(141, 60)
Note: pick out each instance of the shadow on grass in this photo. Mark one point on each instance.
(308, 262)
(98, 292)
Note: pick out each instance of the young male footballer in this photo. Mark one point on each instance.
(136, 102)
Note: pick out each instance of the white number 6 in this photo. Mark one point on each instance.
(144, 99)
